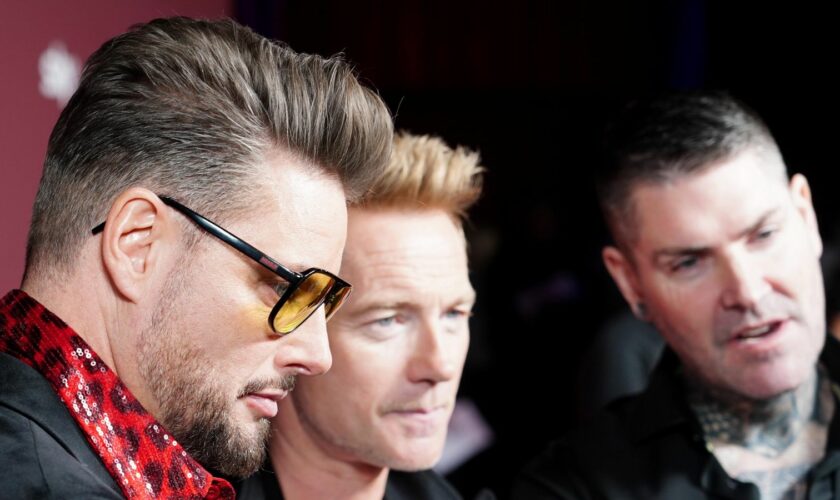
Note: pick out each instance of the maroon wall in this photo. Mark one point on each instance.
(42, 44)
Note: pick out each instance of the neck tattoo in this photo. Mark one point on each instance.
(767, 427)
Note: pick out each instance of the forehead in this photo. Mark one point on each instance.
(394, 251)
(700, 208)
(299, 216)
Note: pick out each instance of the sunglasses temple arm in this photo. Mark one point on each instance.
(233, 240)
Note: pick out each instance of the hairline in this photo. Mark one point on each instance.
(622, 217)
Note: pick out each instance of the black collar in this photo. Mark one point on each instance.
(662, 407)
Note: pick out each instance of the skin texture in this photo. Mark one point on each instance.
(398, 345)
(188, 332)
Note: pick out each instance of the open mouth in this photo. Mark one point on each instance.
(758, 332)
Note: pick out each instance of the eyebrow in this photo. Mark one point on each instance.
(402, 304)
(378, 306)
(681, 251)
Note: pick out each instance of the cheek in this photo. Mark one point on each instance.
(341, 402)
(234, 343)
(359, 377)
(800, 264)
(784, 264)
(677, 302)
(459, 347)
(222, 311)
(682, 313)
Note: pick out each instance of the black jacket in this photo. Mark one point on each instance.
(43, 453)
(650, 446)
(423, 485)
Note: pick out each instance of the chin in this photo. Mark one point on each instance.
(414, 464)
(415, 457)
(774, 383)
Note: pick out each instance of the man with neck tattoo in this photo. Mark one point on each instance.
(719, 249)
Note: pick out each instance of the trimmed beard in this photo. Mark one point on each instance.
(191, 406)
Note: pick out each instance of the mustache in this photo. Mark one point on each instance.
(286, 383)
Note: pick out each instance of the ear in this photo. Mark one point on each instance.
(137, 227)
(624, 275)
(800, 193)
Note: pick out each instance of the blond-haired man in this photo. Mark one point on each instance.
(398, 346)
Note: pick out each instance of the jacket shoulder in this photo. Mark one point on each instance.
(43, 453)
(615, 456)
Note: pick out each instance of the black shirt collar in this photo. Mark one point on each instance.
(663, 407)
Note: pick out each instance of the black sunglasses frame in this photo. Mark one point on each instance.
(294, 278)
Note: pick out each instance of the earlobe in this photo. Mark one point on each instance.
(133, 230)
(624, 276)
(801, 194)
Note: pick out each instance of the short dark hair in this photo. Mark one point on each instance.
(189, 108)
(669, 136)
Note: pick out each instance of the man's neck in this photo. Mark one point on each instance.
(91, 308)
(74, 308)
(305, 470)
(771, 443)
(767, 427)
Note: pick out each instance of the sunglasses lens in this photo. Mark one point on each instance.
(334, 300)
(303, 301)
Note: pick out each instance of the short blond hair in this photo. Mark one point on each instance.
(424, 172)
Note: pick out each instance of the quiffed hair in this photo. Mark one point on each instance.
(189, 109)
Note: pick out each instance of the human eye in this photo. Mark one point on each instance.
(456, 313)
(765, 234)
(386, 325)
(686, 266)
(456, 319)
(385, 322)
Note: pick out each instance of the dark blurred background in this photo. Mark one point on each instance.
(530, 85)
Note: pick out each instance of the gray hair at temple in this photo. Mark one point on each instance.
(658, 140)
(189, 109)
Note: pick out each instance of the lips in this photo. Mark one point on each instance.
(264, 404)
(756, 331)
(420, 410)
(420, 421)
(753, 332)
(424, 414)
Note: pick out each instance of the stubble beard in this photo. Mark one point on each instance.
(191, 406)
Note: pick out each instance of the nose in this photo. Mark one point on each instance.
(745, 282)
(433, 360)
(307, 349)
